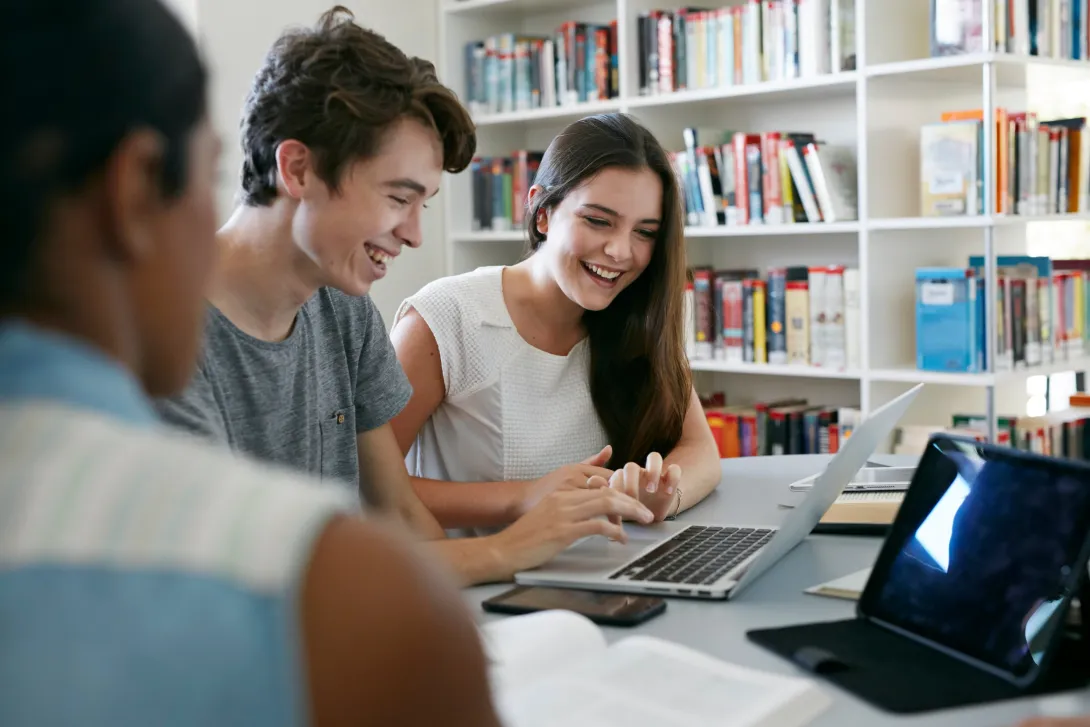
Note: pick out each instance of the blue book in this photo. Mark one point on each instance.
(947, 331)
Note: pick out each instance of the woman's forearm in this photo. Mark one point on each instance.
(471, 504)
(700, 472)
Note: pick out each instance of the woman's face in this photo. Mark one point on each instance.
(600, 237)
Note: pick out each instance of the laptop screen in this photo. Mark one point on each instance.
(983, 553)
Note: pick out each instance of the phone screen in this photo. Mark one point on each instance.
(611, 607)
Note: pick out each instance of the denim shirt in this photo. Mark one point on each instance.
(139, 584)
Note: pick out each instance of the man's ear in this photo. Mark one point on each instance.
(134, 194)
(293, 160)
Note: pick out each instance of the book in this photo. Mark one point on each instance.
(849, 587)
(555, 667)
(864, 508)
(734, 178)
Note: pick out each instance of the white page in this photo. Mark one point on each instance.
(522, 649)
(643, 682)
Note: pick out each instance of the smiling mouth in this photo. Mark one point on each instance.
(379, 257)
(607, 276)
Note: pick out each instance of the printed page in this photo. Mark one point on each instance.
(522, 649)
(644, 682)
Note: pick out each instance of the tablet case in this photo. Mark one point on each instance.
(900, 674)
(897, 674)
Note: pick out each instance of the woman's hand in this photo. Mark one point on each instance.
(563, 517)
(655, 488)
(569, 477)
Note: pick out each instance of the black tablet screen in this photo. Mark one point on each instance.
(982, 552)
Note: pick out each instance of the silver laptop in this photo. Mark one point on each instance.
(713, 561)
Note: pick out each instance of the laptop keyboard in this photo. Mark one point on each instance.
(698, 554)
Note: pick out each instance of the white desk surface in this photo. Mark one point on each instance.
(750, 491)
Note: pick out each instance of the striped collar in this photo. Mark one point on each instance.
(37, 364)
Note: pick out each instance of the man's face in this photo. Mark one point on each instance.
(352, 235)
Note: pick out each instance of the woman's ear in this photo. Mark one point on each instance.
(542, 221)
(541, 217)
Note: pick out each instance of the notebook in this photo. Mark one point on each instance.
(847, 587)
(555, 668)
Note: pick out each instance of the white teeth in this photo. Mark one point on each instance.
(601, 272)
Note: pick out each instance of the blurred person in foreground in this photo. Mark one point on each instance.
(146, 577)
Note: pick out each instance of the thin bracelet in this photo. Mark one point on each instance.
(678, 508)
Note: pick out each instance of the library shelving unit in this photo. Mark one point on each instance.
(877, 108)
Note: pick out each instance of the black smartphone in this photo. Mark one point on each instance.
(608, 609)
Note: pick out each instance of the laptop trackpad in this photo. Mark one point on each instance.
(596, 553)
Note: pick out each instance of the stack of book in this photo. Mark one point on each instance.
(803, 316)
(752, 42)
(500, 186)
(1046, 28)
(519, 72)
(766, 178)
(1042, 166)
(787, 426)
(1064, 433)
(1041, 307)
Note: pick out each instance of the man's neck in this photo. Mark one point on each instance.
(262, 279)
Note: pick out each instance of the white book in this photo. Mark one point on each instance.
(555, 668)
(835, 334)
(851, 318)
(817, 317)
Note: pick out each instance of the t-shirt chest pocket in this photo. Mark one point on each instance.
(339, 455)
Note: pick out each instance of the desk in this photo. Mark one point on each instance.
(750, 491)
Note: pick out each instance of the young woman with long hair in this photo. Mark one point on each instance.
(568, 369)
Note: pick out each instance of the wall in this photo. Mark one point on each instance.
(235, 35)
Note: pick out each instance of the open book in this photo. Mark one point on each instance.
(555, 668)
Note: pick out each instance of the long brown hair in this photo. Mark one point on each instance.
(640, 379)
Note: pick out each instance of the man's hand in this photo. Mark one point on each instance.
(568, 477)
(655, 488)
(563, 517)
(1056, 722)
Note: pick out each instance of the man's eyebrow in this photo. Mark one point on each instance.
(409, 184)
(608, 211)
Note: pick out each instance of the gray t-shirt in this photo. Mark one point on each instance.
(297, 402)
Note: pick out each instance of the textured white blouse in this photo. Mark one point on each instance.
(512, 411)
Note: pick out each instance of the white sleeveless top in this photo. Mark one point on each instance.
(512, 411)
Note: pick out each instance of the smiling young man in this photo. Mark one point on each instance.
(345, 138)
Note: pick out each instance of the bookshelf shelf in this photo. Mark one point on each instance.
(570, 113)
(794, 230)
(930, 223)
(720, 232)
(874, 102)
(1011, 69)
(843, 83)
(755, 369)
(971, 221)
(911, 375)
(507, 7)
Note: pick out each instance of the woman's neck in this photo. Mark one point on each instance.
(262, 279)
(542, 313)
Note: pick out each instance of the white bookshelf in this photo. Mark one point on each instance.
(878, 109)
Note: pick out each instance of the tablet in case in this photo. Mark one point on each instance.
(968, 599)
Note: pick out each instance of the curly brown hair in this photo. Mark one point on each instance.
(339, 88)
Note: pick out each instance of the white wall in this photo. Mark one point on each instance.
(236, 34)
